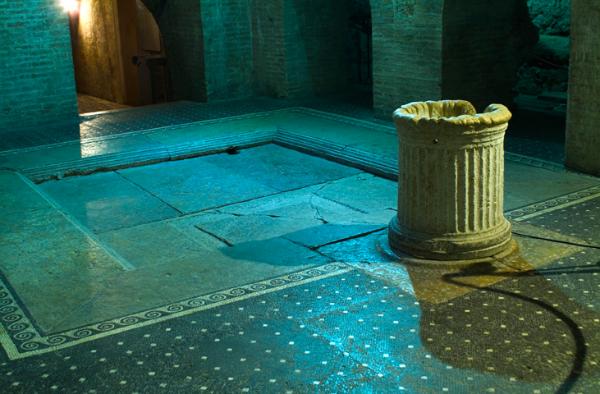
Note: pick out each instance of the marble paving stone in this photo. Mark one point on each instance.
(365, 193)
(198, 272)
(107, 201)
(116, 145)
(281, 168)
(323, 125)
(526, 185)
(160, 243)
(300, 216)
(42, 254)
(198, 131)
(17, 196)
(196, 184)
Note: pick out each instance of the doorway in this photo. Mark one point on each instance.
(119, 56)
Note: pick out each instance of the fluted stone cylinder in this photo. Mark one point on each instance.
(450, 181)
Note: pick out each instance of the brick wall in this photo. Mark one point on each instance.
(228, 48)
(583, 114)
(270, 74)
(181, 28)
(315, 43)
(36, 72)
(407, 48)
(484, 45)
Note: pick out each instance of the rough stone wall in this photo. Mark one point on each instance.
(407, 52)
(547, 68)
(96, 50)
(551, 16)
(227, 48)
(36, 73)
(270, 74)
(583, 119)
(181, 27)
(315, 39)
(484, 44)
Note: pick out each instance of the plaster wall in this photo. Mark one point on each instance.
(97, 50)
(583, 117)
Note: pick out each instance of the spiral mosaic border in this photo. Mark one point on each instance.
(21, 339)
(539, 208)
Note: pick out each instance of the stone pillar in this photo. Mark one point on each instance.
(451, 181)
(583, 118)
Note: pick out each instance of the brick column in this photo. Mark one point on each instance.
(436, 49)
(583, 115)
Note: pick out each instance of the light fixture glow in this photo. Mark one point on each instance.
(70, 6)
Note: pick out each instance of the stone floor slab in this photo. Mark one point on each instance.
(196, 184)
(107, 201)
(526, 185)
(52, 266)
(280, 168)
(300, 216)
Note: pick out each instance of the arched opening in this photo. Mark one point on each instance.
(119, 55)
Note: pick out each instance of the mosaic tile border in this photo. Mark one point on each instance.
(542, 207)
(20, 338)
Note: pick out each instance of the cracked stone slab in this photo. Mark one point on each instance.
(195, 184)
(281, 168)
(206, 182)
(365, 193)
(182, 266)
(300, 216)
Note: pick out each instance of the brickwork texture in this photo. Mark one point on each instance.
(583, 116)
(37, 84)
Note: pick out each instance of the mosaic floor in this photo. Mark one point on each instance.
(256, 267)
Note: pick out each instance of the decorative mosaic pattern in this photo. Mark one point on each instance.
(537, 209)
(22, 339)
(352, 333)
